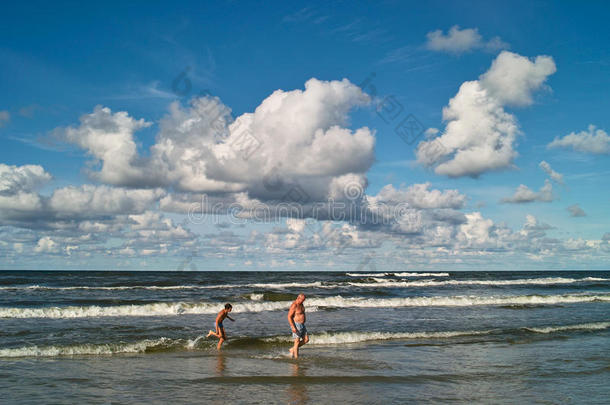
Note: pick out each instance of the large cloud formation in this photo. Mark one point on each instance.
(22, 205)
(480, 135)
(82, 219)
(299, 134)
(295, 150)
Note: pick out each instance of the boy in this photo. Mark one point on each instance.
(220, 330)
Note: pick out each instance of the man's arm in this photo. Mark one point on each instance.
(291, 317)
(230, 318)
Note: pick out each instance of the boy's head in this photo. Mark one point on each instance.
(228, 307)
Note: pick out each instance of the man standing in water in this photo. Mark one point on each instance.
(296, 319)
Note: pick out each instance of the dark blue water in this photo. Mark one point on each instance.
(500, 337)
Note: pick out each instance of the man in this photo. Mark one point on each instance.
(296, 319)
(220, 330)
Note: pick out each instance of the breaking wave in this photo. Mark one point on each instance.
(379, 282)
(316, 284)
(378, 279)
(325, 338)
(180, 308)
(398, 274)
(582, 326)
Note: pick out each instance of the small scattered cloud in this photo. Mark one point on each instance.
(152, 90)
(524, 194)
(593, 140)
(46, 245)
(5, 117)
(304, 14)
(557, 177)
(576, 211)
(458, 41)
(29, 110)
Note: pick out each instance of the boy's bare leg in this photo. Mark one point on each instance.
(222, 337)
(218, 333)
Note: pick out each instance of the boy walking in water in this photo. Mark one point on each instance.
(296, 319)
(220, 330)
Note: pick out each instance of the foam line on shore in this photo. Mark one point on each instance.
(325, 338)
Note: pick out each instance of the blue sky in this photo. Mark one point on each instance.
(61, 61)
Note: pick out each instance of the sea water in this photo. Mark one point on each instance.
(119, 337)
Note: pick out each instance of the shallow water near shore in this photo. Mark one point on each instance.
(116, 337)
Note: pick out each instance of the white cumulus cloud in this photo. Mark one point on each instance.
(546, 167)
(21, 178)
(458, 41)
(480, 135)
(298, 136)
(593, 140)
(46, 245)
(524, 194)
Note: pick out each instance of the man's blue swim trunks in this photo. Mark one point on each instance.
(301, 331)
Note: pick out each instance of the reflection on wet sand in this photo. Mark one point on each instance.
(221, 365)
(297, 391)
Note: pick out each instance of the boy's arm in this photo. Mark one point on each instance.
(230, 318)
(291, 316)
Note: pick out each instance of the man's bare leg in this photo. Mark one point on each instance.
(294, 351)
(220, 343)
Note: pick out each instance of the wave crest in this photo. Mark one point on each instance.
(324, 338)
(180, 308)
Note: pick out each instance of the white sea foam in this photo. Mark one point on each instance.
(377, 277)
(355, 337)
(433, 283)
(88, 349)
(316, 284)
(180, 308)
(582, 326)
(455, 301)
(125, 287)
(325, 338)
(156, 309)
(398, 274)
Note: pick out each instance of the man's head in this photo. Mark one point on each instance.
(228, 307)
(300, 298)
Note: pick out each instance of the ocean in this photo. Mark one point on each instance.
(460, 337)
